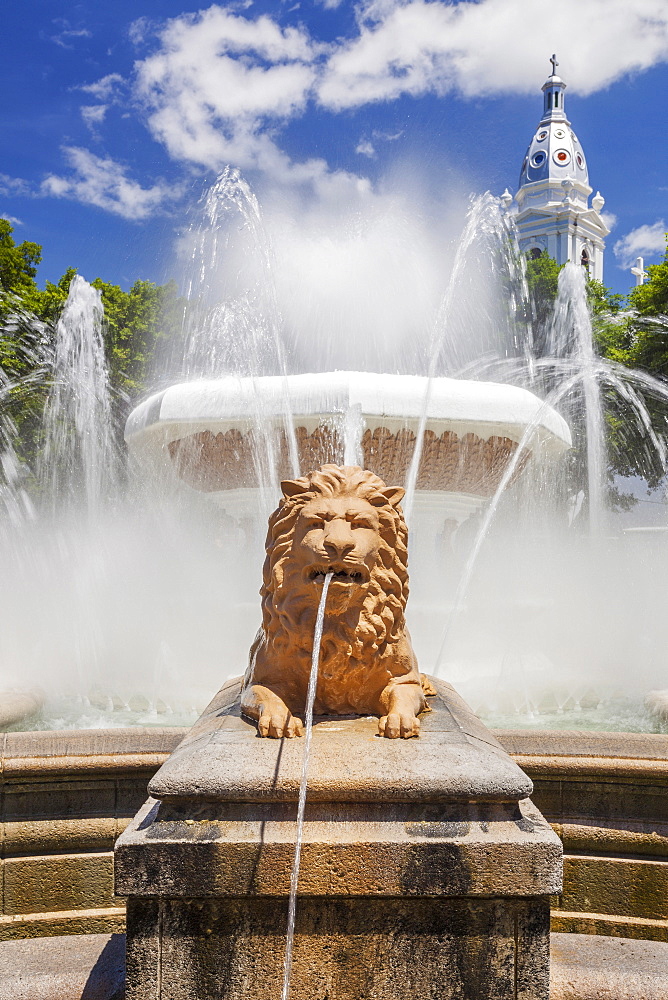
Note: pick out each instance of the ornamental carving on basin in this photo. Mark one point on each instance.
(467, 464)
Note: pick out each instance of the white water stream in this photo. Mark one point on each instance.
(308, 723)
(79, 458)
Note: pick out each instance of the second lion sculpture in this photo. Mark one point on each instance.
(346, 521)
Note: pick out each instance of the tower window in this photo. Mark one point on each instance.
(535, 253)
(584, 258)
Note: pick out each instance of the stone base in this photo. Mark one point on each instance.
(345, 949)
(425, 869)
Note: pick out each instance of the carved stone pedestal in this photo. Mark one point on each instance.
(425, 868)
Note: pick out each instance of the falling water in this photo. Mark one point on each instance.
(233, 324)
(79, 455)
(310, 700)
(481, 535)
(571, 336)
(27, 338)
(570, 340)
(484, 222)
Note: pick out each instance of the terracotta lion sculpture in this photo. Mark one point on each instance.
(346, 521)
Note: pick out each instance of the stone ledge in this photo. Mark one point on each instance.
(79, 750)
(360, 850)
(614, 768)
(583, 743)
(607, 968)
(609, 925)
(456, 758)
(104, 920)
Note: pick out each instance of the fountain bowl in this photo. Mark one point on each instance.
(218, 435)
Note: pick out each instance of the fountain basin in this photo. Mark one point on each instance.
(222, 436)
(68, 795)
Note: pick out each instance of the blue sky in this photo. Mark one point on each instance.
(115, 115)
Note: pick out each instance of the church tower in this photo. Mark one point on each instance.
(552, 211)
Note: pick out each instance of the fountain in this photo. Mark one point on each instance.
(419, 857)
(478, 449)
(526, 593)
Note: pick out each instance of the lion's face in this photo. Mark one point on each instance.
(340, 535)
(348, 521)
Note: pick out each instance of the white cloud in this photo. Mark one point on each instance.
(365, 148)
(218, 69)
(609, 219)
(492, 46)
(11, 218)
(140, 29)
(105, 88)
(65, 37)
(104, 182)
(93, 115)
(644, 240)
(15, 186)
(219, 85)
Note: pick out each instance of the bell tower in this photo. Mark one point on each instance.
(552, 210)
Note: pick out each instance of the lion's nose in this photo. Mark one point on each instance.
(338, 539)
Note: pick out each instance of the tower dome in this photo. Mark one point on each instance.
(552, 202)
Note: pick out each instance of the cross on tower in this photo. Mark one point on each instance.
(553, 60)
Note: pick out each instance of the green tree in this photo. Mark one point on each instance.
(135, 322)
(542, 275)
(651, 299)
(637, 337)
(18, 263)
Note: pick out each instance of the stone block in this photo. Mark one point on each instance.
(345, 949)
(58, 882)
(618, 886)
(41, 836)
(130, 795)
(231, 849)
(35, 800)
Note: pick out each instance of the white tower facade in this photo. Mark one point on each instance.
(552, 210)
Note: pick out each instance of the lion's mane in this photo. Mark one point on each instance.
(286, 600)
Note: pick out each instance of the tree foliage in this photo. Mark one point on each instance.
(651, 299)
(18, 264)
(632, 333)
(542, 275)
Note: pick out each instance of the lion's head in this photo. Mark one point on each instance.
(349, 522)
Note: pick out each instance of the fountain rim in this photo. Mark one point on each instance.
(391, 400)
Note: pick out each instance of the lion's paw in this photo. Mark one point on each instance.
(278, 723)
(397, 725)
